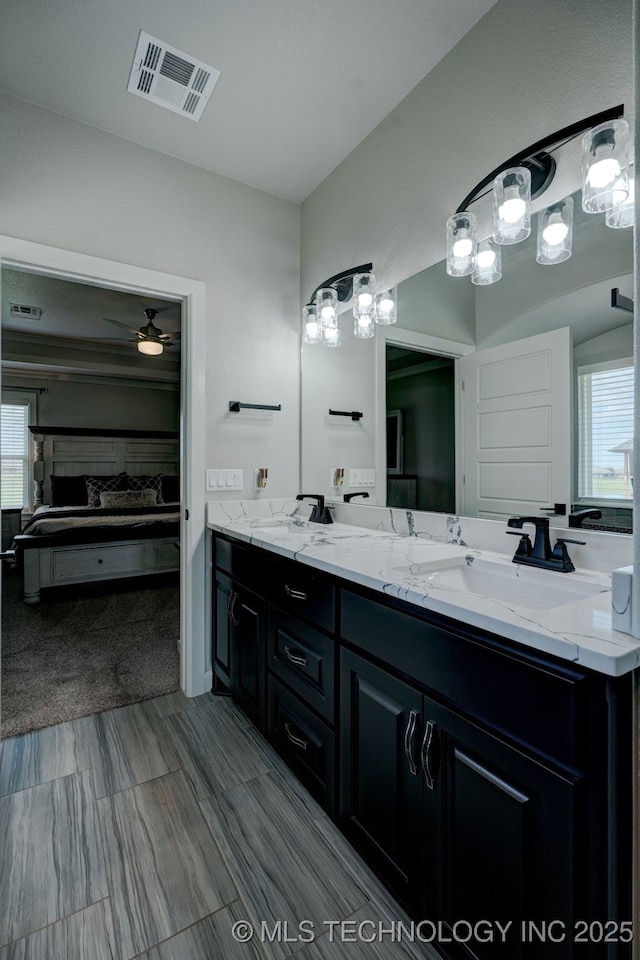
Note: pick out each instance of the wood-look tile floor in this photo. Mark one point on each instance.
(149, 831)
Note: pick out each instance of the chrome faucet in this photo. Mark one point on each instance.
(540, 554)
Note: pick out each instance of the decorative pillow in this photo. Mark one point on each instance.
(98, 485)
(68, 491)
(145, 483)
(128, 498)
(170, 489)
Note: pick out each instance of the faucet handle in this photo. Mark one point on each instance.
(524, 548)
(581, 543)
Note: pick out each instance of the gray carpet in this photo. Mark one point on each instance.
(85, 649)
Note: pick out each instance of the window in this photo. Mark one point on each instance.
(16, 473)
(605, 430)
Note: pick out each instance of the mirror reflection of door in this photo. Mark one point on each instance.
(420, 404)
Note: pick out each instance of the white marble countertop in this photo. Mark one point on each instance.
(402, 566)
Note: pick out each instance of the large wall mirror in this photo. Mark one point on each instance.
(466, 378)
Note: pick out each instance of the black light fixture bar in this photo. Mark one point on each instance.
(354, 414)
(235, 406)
(342, 282)
(620, 301)
(540, 162)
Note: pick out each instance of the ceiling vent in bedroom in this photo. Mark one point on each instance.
(170, 78)
(25, 312)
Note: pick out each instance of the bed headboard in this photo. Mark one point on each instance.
(71, 452)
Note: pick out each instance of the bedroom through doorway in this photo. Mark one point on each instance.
(91, 465)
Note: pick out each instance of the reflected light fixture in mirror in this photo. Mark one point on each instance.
(320, 319)
(526, 176)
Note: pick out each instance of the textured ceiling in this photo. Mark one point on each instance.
(303, 82)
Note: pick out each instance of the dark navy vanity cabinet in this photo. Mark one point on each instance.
(481, 780)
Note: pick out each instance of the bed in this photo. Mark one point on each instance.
(106, 507)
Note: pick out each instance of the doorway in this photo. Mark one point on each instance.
(421, 430)
(195, 666)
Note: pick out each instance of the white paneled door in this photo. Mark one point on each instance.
(517, 427)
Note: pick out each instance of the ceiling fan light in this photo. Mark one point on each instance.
(605, 177)
(512, 205)
(151, 348)
(555, 232)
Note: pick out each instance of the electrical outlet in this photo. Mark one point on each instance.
(362, 478)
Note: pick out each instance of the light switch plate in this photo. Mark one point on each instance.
(227, 479)
(362, 478)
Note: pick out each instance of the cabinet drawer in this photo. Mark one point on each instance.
(166, 554)
(304, 741)
(74, 564)
(294, 588)
(540, 707)
(304, 659)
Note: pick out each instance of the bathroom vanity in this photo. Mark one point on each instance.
(483, 773)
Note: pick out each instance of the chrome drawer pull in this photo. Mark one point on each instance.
(426, 754)
(295, 658)
(294, 594)
(296, 741)
(408, 741)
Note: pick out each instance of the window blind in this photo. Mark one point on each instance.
(14, 455)
(605, 430)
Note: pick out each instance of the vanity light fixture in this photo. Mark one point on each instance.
(555, 232)
(487, 264)
(623, 214)
(320, 320)
(524, 177)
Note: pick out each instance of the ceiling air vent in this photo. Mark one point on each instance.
(170, 78)
(23, 311)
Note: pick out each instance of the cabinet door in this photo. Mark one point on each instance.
(247, 616)
(381, 783)
(223, 591)
(500, 832)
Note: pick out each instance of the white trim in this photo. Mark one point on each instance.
(399, 337)
(70, 265)
(622, 363)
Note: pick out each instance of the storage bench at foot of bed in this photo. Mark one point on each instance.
(50, 566)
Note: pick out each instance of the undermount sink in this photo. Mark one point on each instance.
(278, 528)
(526, 587)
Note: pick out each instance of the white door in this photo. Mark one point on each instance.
(517, 427)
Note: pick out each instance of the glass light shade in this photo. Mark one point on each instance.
(555, 232)
(623, 213)
(151, 348)
(331, 334)
(327, 300)
(462, 229)
(512, 205)
(364, 291)
(487, 266)
(605, 175)
(311, 327)
(364, 327)
(387, 306)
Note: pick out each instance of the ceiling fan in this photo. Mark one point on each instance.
(149, 338)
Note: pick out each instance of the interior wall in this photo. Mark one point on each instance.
(100, 406)
(525, 70)
(72, 186)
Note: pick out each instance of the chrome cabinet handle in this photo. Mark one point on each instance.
(294, 594)
(408, 741)
(296, 741)
(295, 658)
(231, 607)
(425, 754)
